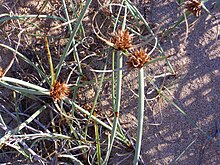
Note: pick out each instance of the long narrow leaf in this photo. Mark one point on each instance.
(24, 83)
(23, 90)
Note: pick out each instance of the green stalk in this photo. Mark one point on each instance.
(98, 148)
(140, 115)
(117, 106)
(75, 52)
(118, 94)
(113, 80)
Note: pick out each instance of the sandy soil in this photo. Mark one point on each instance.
(175, 140)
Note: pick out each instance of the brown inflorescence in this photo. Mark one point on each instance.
(1, 72)
(194, 6)
(138, 58)
(122, 40)
(59, 91)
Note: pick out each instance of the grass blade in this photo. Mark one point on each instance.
(24, 83)
(72, 35)
(20, 127)
(23, 90)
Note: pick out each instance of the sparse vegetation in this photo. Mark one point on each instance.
(61, 68)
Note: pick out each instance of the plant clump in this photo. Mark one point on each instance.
(122, 40)
(59, 91)
(194, 6)
(138, 58)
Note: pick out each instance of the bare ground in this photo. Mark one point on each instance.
(196, 91)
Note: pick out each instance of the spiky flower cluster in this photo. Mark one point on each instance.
(138, 58)
(59, 91)
(194, 6)
(122, 40)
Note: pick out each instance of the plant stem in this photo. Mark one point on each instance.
(140, 115)
(53, 77)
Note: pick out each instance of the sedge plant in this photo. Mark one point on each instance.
(124, 42)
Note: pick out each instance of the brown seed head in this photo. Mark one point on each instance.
(194, 6)
(59, 91)
(1, 72)
(122, 40)
(138, 58)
